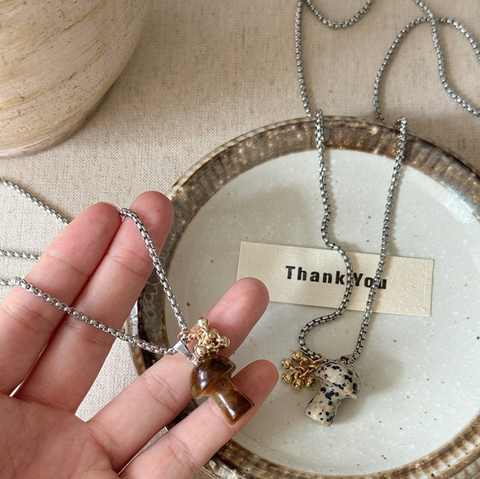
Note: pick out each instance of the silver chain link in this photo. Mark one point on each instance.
(298, 40)
(33, 200)
(320, 145)
(18, 255)
(441, 60)
(430, 18)
(22, 254)
(343, 23)
(400, 155)
(158, 265)
(401, 144)
(402, 34)
(117, 333)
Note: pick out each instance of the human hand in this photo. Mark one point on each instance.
(99, 265)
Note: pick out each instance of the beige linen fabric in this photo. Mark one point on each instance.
(206, 71)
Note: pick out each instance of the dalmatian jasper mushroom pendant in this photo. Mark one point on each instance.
(337, 381)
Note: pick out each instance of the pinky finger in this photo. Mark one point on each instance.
(185, 448)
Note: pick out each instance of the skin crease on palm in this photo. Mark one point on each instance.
(99, 265)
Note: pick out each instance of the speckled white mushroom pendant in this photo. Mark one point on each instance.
(337, 381)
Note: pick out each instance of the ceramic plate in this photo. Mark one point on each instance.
(418, 412)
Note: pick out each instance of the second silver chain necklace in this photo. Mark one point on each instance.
(305, 367)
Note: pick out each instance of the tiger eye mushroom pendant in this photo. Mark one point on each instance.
(212, 373)
(212, 378)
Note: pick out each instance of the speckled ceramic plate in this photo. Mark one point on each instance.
(418, 413)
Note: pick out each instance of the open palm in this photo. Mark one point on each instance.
(99, 265)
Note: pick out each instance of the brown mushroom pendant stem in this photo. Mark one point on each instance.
(212, 378)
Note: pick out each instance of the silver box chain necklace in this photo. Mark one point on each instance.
(305, 367)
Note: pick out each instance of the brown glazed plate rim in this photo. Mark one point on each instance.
(460, 457)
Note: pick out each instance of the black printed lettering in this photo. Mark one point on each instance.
(327, 278)
(301, 274)
(357, 278)
(289, 271)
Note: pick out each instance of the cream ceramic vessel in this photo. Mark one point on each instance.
(58, 59)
